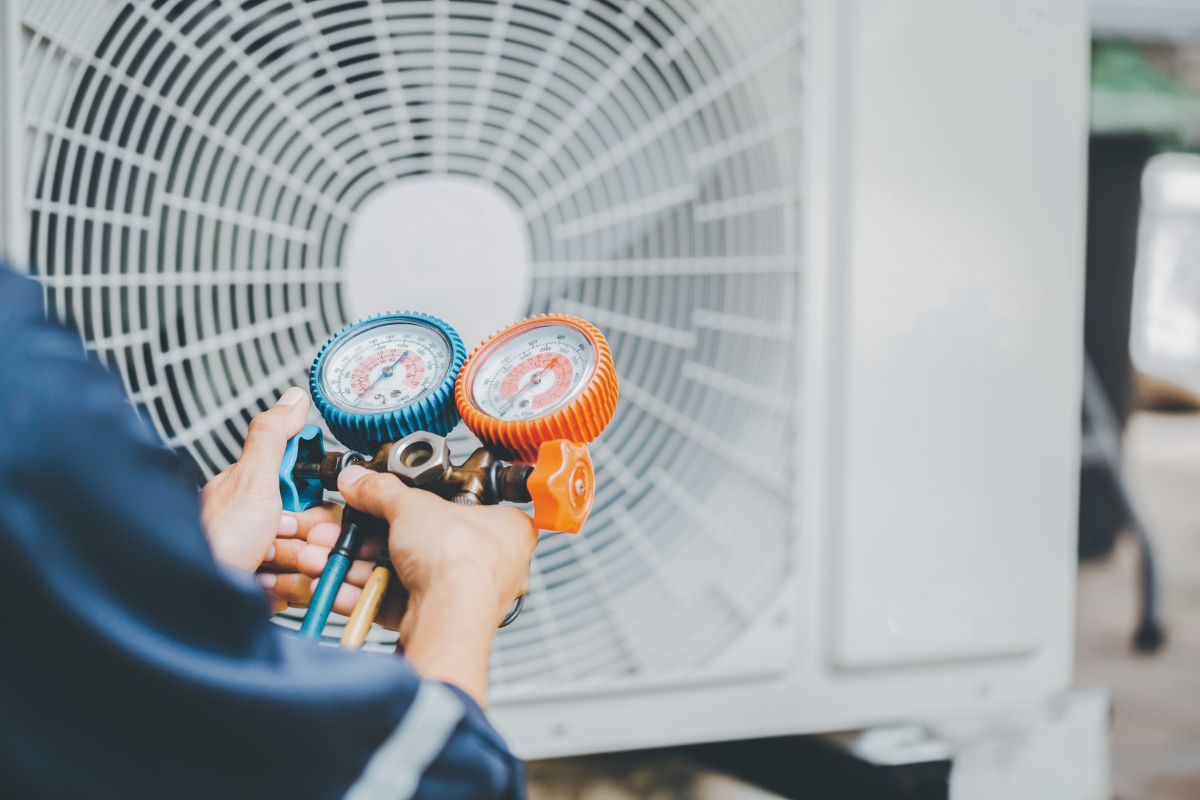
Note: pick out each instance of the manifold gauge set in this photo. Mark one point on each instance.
(391, 388)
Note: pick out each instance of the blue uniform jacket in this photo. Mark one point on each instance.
(131, 665)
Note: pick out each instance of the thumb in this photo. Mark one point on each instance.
(269, 433)
(379, 494)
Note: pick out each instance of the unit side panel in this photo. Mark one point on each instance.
(962, 291)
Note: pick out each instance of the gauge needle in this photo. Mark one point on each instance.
(386, 373)
(533, 381)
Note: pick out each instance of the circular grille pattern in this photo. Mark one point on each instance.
(193, 168)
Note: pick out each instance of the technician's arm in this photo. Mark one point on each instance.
(459, 561)
(136, 666)
(462, 565)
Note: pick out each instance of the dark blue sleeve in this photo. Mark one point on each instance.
(132, 665)
(475, 759)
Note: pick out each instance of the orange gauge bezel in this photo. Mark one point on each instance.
(580, 420)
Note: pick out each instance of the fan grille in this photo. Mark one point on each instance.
(193, 168)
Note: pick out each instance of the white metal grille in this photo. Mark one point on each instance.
(192, 168)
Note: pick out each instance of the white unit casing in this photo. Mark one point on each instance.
(837, 248)
(939, 445)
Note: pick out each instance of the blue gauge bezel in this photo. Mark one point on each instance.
(434, 412)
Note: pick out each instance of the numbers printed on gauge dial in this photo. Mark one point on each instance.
(386, 366)
(533, 371)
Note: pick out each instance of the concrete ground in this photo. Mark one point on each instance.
(1156, 699)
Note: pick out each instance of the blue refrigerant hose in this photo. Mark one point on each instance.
(321, 604)
(355, 526)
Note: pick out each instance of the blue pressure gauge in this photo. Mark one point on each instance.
(381, 378)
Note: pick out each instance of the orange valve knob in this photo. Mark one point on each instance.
(562, 486)
(547, 377)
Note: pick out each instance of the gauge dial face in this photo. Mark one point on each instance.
(532, 371)
(385, 366)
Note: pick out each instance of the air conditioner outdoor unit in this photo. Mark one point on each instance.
(836, 247)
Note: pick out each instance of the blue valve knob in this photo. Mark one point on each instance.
(307, 445)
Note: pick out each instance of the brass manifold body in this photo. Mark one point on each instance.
(560, 485)
(422, 460)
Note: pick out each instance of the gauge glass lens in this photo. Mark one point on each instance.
(385, 366)
(533, 371)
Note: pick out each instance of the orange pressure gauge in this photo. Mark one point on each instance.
(547, 377)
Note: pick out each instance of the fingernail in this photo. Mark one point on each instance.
(288, 524)
(291, 397)
(270, 553)
(352, 475)
(266, 580)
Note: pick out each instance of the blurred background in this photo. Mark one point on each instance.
(1142, 299)
(904, 296)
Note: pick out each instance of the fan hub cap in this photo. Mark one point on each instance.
(455, 247)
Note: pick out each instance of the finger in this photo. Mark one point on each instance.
(377, 493)
(278, 605)
(312, 558)
(287, 525)
(297, 590)
(326, 535)
(293, 588)
(283, 555)
(359, 572)
(268, 435)
(302, 522)
(343, 602)
(391, 610)
(347, 596)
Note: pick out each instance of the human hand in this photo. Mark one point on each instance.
(462, 567)
(306, 564)
(431, 543)
(280, 574)
(241, 509)
(436, 545)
